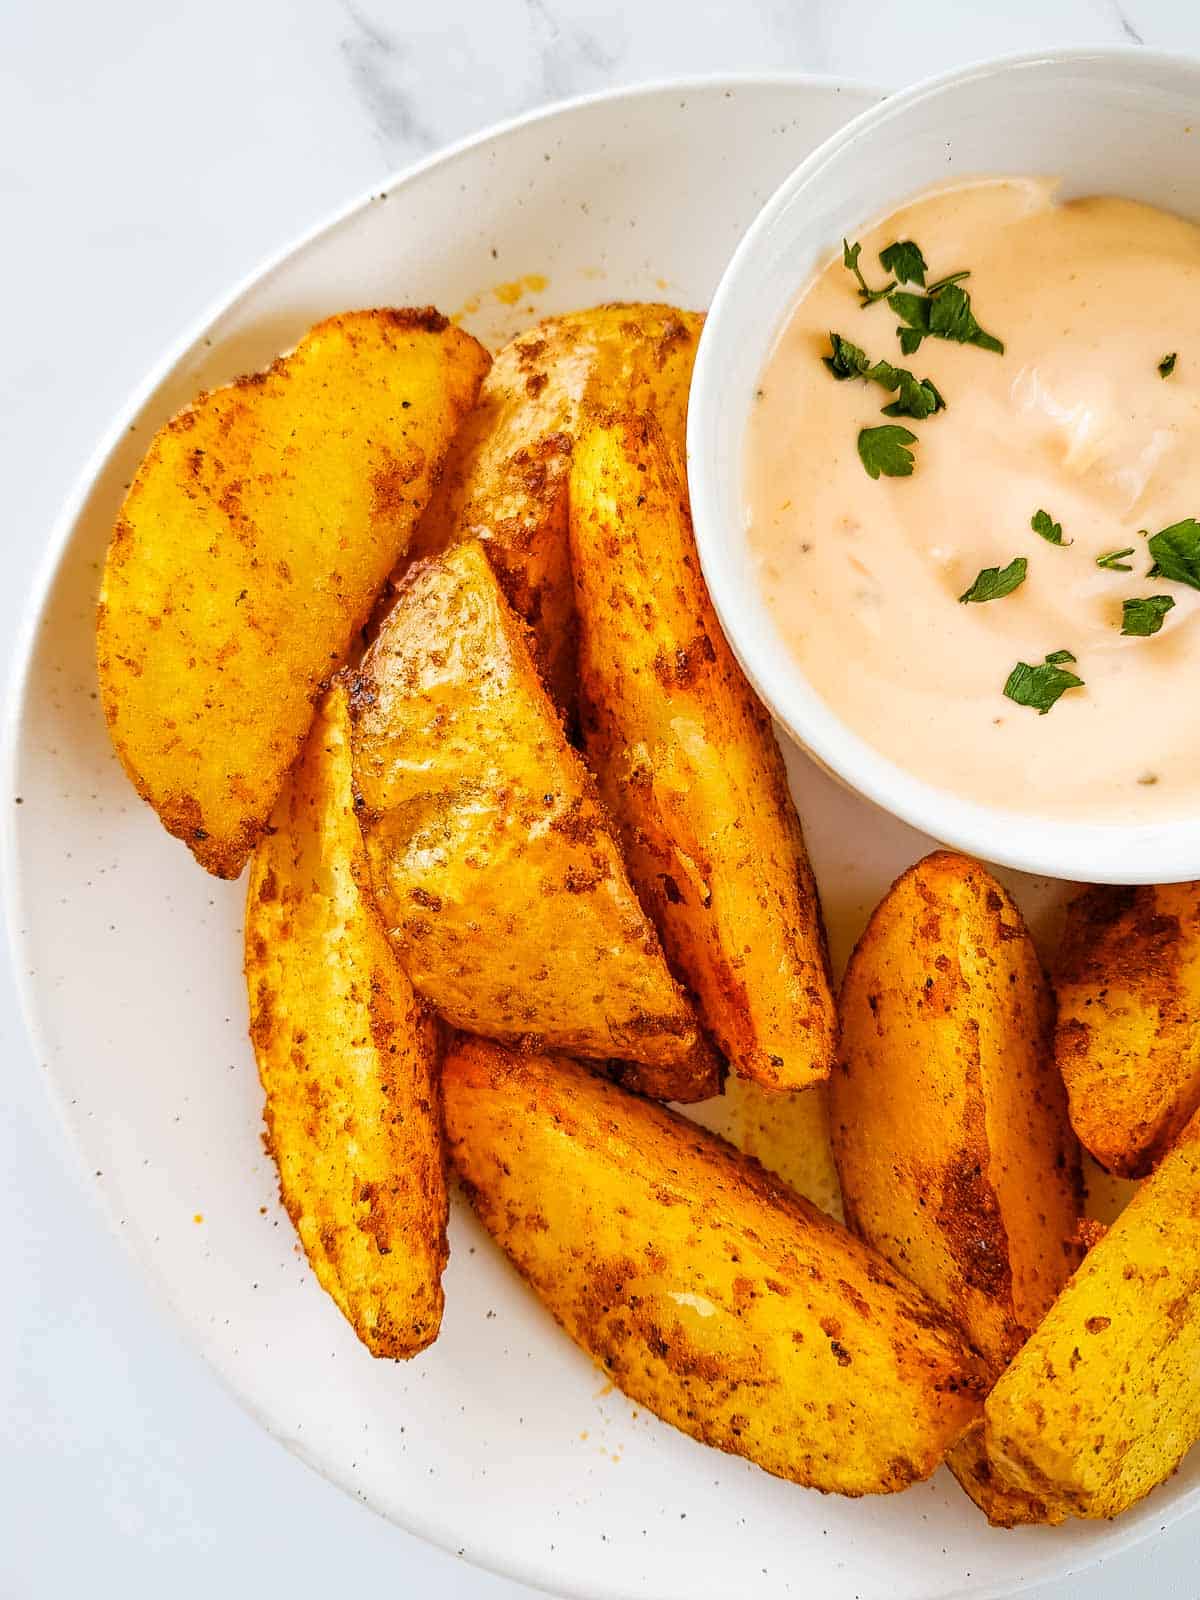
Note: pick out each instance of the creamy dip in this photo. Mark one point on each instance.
(1075, 418)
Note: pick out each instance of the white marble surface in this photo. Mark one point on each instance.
(149, 154)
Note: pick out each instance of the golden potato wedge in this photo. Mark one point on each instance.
(1103, 1402)
(990, 1486)
(506, 478)
(346, 1054)
(688, 764)
(248, 553)
(706, 1290)
(949, 1121)
(495, 868)
(1128, 1041)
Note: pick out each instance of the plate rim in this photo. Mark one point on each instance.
(12, 716)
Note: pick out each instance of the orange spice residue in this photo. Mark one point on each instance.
(509, 293)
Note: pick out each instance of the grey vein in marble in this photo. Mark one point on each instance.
(376, 61)
(568, 53)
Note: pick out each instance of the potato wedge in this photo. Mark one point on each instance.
(346, 1055)
(506, 479)
(688, 764)
(248, 553)
(706, 1289)
(1104, 1401)
(495, 868)
(949, 1121)
(1128, 1041)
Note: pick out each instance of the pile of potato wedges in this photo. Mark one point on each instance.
(422, 636)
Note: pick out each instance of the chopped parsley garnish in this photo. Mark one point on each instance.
(1141, 618)
(904, 261)
(1040, 687)
(944, 312)
(993, 583)
(918, 397)
(1042, 522)
(1167, 365)
(885, 450)
(850, 255)
(1176, 553)
(1115, 560)
(846, 360)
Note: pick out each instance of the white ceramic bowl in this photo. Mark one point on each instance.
(1116, 121)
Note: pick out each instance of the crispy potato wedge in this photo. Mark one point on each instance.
(1104, 1401)
(260, 526)
(688, 764)
(706, 1290)
(949, 1121)
(1128, 1041)
(495, 867)
(346, 1054)
(506, 479)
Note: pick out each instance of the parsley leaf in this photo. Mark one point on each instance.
(904, 261)
(1040, 687)
(918, 397)
(1141, 618)
(944, 313)
(850, 255)
(1051, 531)
(846, 360)
(1167, 365)
(993, 583)
(1176, 552)
(1115, 560)
(885, 450)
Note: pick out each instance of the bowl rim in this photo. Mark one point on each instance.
(1110, 852)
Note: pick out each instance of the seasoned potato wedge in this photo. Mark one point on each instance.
(506, 479)
(949, 1121)
(1128, 1043)
(1104, 1401)
(688, 764)
(706, 1289)
(495, 867)
(346, 1056)
(248, 553)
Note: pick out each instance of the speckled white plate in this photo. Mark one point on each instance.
(502, 1442)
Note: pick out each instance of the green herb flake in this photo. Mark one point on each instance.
(885, 450)
(1042, 523)
(1176, 553)
(904, 261)
(1115, 561)
(943, 313)
(918, 397)
(850, 255)
(845, 360)
(1041, 687)
(993, 583)
(1142, 618)
(1167, 365)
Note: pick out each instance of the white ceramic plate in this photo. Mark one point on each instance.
(501, 1442)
